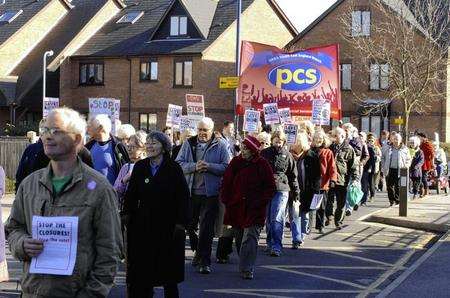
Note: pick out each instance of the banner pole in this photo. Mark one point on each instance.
(238, 66)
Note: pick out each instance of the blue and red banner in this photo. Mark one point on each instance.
(292, 80)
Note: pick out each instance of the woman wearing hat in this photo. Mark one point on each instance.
(155, 207)
(247, 188)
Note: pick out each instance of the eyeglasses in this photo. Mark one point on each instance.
(51, 131)
(203, 129)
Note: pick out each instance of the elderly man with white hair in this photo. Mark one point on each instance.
(67, 188)
(108, 153)
(203, 159)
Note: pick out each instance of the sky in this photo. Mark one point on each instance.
(304, 12)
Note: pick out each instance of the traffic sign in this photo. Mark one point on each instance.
(398, 121)
(228, 82)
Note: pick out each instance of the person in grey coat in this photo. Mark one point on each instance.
(203, 159)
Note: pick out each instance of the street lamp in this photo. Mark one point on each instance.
(44, 72)
(238, 56)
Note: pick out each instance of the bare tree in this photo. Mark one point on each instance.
(410, 52)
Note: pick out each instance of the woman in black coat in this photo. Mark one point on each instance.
(156, 212)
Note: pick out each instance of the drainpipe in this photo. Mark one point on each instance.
(129, 92)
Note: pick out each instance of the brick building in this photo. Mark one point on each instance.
(154, 52)
(357, 81)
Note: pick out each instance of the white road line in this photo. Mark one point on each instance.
(326, 267)
(344, 282)
(358, 258)
(355, 248)
(254, 292)
(397, 266)
(413, 267)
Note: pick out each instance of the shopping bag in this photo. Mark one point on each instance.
(354, 194)
(316, 201)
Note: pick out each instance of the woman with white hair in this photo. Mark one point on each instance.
(415, 169)
(124, 133)
(156, 207)
(264, 140)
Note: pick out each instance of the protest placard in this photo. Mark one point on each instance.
(271, 113)
(60, 237)
(320, 112)
(107, 106)
(49, 104)
(290, 131)
(173, 118)
(251, 120)
(285, 115)
(195, 107)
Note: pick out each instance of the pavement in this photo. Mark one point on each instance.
(364, 259)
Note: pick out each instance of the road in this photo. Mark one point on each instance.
(358, 261)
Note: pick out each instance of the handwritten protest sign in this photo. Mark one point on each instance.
(285, 115)
(49, 104)
(291, 133)
(195, 107)
(173, 118)
(251, 120)
(108, 106)
(271, 113)
(320, 112)
(60, 237)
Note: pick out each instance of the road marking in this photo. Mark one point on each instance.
(254, 292)
(397, 266)
(355, 248)
(340, 281)
(359, 258)
(413, 267)
(326, 267)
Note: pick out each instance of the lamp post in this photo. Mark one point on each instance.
(44, 72)
(238, 56)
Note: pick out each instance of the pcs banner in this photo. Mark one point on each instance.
(292, 80)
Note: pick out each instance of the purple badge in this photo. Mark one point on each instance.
(91, 185)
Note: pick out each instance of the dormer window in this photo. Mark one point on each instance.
(10, 16)
(178, 26)
(131, 17)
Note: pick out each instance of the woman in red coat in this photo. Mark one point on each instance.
(247, 187)
(428, 164)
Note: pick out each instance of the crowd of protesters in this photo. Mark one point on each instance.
(203, 184)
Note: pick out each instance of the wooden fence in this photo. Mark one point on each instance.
(11, 149)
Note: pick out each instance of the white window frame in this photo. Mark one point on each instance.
(151, 121)
(379, 76)
(11, 18)
(151, 70)
(178, 26)
(346, 76)
(136, 15)
(361, 20)
(185, 77)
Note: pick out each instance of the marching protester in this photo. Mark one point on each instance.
(368, 170)
(168, 131)
(137, 151)
(415, 169)
(285, 174)
(264, 140)
(395, 157)
(372, 145)
(59, 190)
(34, 158)
(320, 144)
(228, 134)
(347, 172)
(428, 164)
(156, 205)
(186, 134)
(203, 159)
(440, 159)
(124, 133)
(3, 264)
(108, 154)
(247, 188)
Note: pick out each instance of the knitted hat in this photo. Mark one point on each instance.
(252, 144)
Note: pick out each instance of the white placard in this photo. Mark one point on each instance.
(173, 118)
(285, 115)
(60, 237)
(195, 107)
(50, 103)
(108, 106)
(290, 130)
(321, 112)
(271, 113)
(251, 120)
(316, 201)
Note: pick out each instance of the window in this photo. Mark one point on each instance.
(178, 26)
(149, 71)
(131, 17)
(183, 73)
(91, 73)
(147, 122)
(346, 76)
(379, 76)
(9, 16)
(371, 124)
(361, 23)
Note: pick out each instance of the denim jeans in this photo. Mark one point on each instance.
(276, 212)
(304, 223)
(294, 219)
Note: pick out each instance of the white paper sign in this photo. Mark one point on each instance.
(290, 130)
(108, 106)
(195, 107)
(316, 201)
(271, 113)
(321, 112)
(50, 103)
(285, 115)
(251, 120)
(173, 118)
(60, 237)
